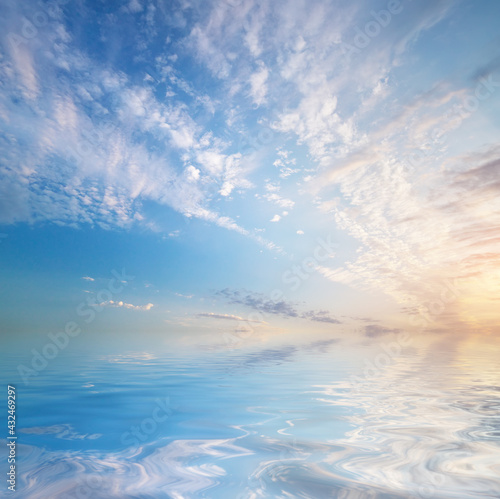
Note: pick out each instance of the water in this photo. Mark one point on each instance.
(270, 423)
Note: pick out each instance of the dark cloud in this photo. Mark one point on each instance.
(363, 319)
(487, 69)
(320, 316)
(374, 330)
(485, 176)
(259, 302)
(283, 308)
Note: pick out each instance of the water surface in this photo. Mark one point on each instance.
(269, 423)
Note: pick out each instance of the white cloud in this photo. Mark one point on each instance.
(193, 174)
(87, 278)
(226, 189)
(230, 317)
(135, 6)
(102, 167)
(270, 187)
(276, 218)
(121, 304)
(24, 65)
(184, 296)
(277, 199)
(100, 144)
(285, 163)
(258, 86)
(414, 242)
(207, 51)
(317, 123)
(253, 27)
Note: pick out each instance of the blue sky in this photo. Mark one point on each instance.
(209, 148)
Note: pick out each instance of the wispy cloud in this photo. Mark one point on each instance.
(278, 200)
(121, 304)
(284, 118)
(375, 330)
(88, 162)
(283, 308)
(229, 317)
(413, 242)
(320, 316)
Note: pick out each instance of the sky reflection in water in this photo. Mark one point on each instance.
(269, 424)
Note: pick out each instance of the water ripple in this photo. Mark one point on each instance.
(292, 428)
(421, 435)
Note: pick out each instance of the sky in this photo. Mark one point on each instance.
(212, 173)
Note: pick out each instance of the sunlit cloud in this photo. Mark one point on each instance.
(121, 304)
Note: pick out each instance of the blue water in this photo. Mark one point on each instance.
(268, 423)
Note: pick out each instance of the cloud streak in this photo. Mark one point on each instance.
(230, 317)
(129, 306)
(282, 308)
